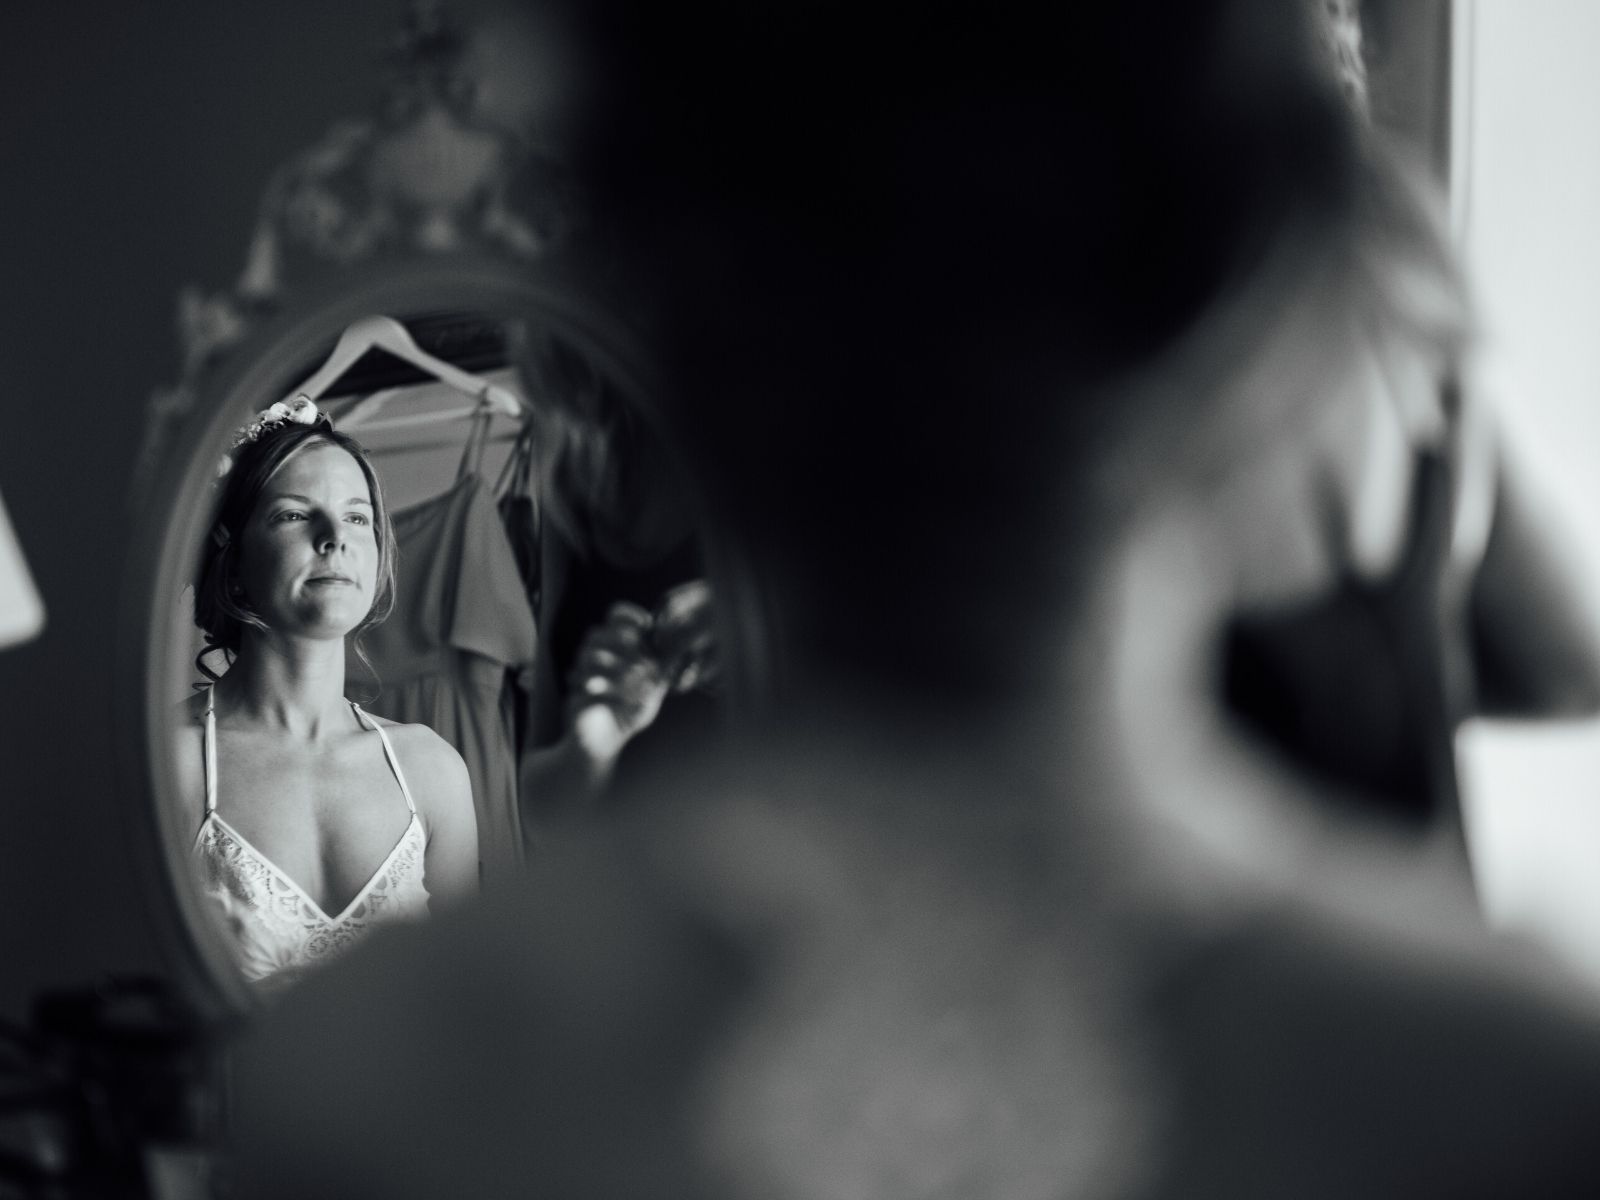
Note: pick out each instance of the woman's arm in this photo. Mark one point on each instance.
(617, 687)
(1535, 621)
(442, 792)
(563, 779)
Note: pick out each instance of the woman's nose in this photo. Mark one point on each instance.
(329, 537)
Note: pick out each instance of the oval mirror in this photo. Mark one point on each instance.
(530, 492)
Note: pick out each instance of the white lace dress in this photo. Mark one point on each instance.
(276, 931)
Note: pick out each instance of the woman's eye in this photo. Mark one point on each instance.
(358, 518)
(290, 515)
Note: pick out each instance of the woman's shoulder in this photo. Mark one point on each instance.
(191, 710)
(431, 763)
(186, 798)
(414, 736)
(187, 721)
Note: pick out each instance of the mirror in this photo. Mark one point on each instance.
(516, 535)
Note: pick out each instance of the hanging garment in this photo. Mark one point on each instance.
(276, 930)
(461, 623)
(517, 501)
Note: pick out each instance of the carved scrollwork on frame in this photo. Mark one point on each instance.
(435, 171)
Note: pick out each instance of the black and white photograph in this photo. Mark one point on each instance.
(821, 601)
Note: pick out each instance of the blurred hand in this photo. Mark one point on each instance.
(684, 638)
(616, 684)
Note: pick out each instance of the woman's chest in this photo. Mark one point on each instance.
(326, 820)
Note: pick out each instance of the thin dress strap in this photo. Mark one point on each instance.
(210, 737)
(394, 763)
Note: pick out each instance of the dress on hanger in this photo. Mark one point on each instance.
(461, 626)
(277, 931)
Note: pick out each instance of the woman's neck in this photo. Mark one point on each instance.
(294, 685)
(1145, 687)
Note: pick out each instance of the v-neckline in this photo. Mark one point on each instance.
(283, 875)
(209, 738)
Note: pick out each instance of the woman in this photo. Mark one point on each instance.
(316, 820)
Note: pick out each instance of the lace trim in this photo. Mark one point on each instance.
(277, 932)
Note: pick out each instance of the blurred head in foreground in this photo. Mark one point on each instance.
(948, 302)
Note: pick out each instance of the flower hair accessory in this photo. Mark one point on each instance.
(302, 410)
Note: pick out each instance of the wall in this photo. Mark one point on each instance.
(1528, 189)
(134, 139)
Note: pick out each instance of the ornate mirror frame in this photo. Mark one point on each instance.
(173, 509)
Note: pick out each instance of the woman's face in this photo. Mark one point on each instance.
(308, 560)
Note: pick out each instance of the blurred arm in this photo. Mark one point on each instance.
(1535, 617)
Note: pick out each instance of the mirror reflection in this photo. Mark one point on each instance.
(449, 588)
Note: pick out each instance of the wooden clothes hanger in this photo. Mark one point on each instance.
(361, 413)
(387, 334)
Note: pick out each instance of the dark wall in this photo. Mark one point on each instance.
(134, 140)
